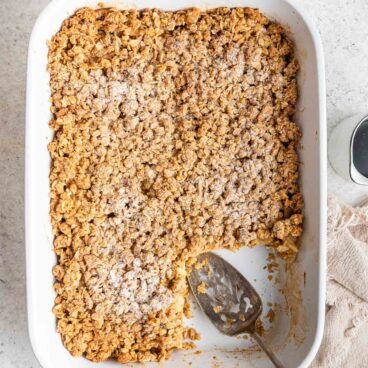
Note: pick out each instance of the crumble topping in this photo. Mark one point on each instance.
(173, 136)
(201, 289)
(218, 309)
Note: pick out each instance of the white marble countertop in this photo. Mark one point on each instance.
(343, 26)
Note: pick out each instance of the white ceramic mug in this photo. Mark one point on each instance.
(340, 149)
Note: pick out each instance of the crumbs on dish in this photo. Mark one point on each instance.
(173, 136)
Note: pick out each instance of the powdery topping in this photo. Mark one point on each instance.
(128, 289)
(173, 135)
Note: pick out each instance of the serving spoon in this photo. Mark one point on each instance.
(227, 298)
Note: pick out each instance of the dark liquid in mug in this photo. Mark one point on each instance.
(360, 149)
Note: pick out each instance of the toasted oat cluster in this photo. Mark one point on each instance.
(173, 135)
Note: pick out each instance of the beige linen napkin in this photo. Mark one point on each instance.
(345, 342)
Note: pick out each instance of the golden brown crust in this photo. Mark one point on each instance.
(173, 135)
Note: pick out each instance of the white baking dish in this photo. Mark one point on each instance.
(308, 315)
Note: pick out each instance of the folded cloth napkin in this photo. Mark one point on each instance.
(345, 342)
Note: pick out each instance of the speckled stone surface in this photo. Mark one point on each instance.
(342, 24)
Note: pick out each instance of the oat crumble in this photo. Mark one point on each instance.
(173, 136)
(201, 288)
(217, 309)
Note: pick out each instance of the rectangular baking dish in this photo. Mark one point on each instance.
(297, 331)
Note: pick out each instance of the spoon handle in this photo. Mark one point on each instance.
(266, 349)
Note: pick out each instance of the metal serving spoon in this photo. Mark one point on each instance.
(227, 298)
